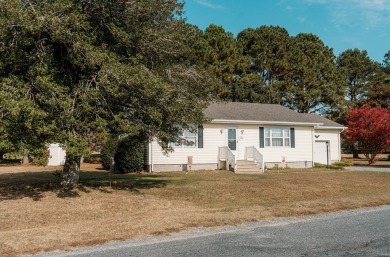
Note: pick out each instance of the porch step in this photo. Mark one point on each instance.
(247, 167)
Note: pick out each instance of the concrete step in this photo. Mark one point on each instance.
(247, 167)
(249, 171)
(244, 162)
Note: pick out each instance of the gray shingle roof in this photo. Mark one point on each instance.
(262, 113)
(326, 122)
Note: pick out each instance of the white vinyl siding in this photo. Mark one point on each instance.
(302, 151)
(333, 136)
(212, 138)
(215, 135)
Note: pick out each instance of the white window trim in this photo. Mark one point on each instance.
(283, 137)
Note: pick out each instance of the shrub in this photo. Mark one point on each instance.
(129, 156)
(108, 152)
(342, 163)
(319, 165)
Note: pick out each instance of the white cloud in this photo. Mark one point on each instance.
(209, 4)
(367, 14)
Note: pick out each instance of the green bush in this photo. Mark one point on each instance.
(342, 163)
(319, 165)
(129, 156)
(108, 151)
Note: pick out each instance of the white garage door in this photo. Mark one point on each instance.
(320, 152)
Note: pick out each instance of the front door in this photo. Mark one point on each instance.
(232, 140)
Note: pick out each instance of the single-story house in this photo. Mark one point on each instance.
(250, 137)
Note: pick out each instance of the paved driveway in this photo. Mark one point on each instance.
(364, 232)
(368, 168)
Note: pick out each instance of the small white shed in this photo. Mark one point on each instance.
(56, 155)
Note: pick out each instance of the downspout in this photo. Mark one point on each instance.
(339, 137)
(312, 147)
(151, 156)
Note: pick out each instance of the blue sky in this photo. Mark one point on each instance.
(341, 24)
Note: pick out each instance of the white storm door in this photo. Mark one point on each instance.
(321, 152)
(232, 140)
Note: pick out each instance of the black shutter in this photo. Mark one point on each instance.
(200, 137)
(292, 137)
(261, 130)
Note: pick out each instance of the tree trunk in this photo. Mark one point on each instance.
(71, 171)
(355, 153)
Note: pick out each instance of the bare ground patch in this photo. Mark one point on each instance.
(36, 215)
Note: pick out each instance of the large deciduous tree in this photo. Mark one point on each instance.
(74, 71)
(369, 130)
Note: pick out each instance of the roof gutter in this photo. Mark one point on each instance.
(330, 127)
(265, 122)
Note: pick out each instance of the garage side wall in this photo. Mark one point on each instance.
(333, 136)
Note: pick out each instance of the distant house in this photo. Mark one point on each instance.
(249, 137)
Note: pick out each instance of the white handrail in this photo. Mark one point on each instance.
(224, 153)
(252, 153)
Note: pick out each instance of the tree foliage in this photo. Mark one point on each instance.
(108, 151)
(267, 48)
(73, 72)
(223, 57)
(369, 129)
(359, 73)
(298, 72)
(313, 82)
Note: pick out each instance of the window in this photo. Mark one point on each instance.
(277, 137)
(191, 139)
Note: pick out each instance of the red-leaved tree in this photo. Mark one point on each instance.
(369, 130)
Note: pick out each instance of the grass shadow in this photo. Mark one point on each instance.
(26, 184)
(131, 182)
(33, 184)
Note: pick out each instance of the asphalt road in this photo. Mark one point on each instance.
(364, 232)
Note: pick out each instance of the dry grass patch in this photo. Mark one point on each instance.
(36, 215)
